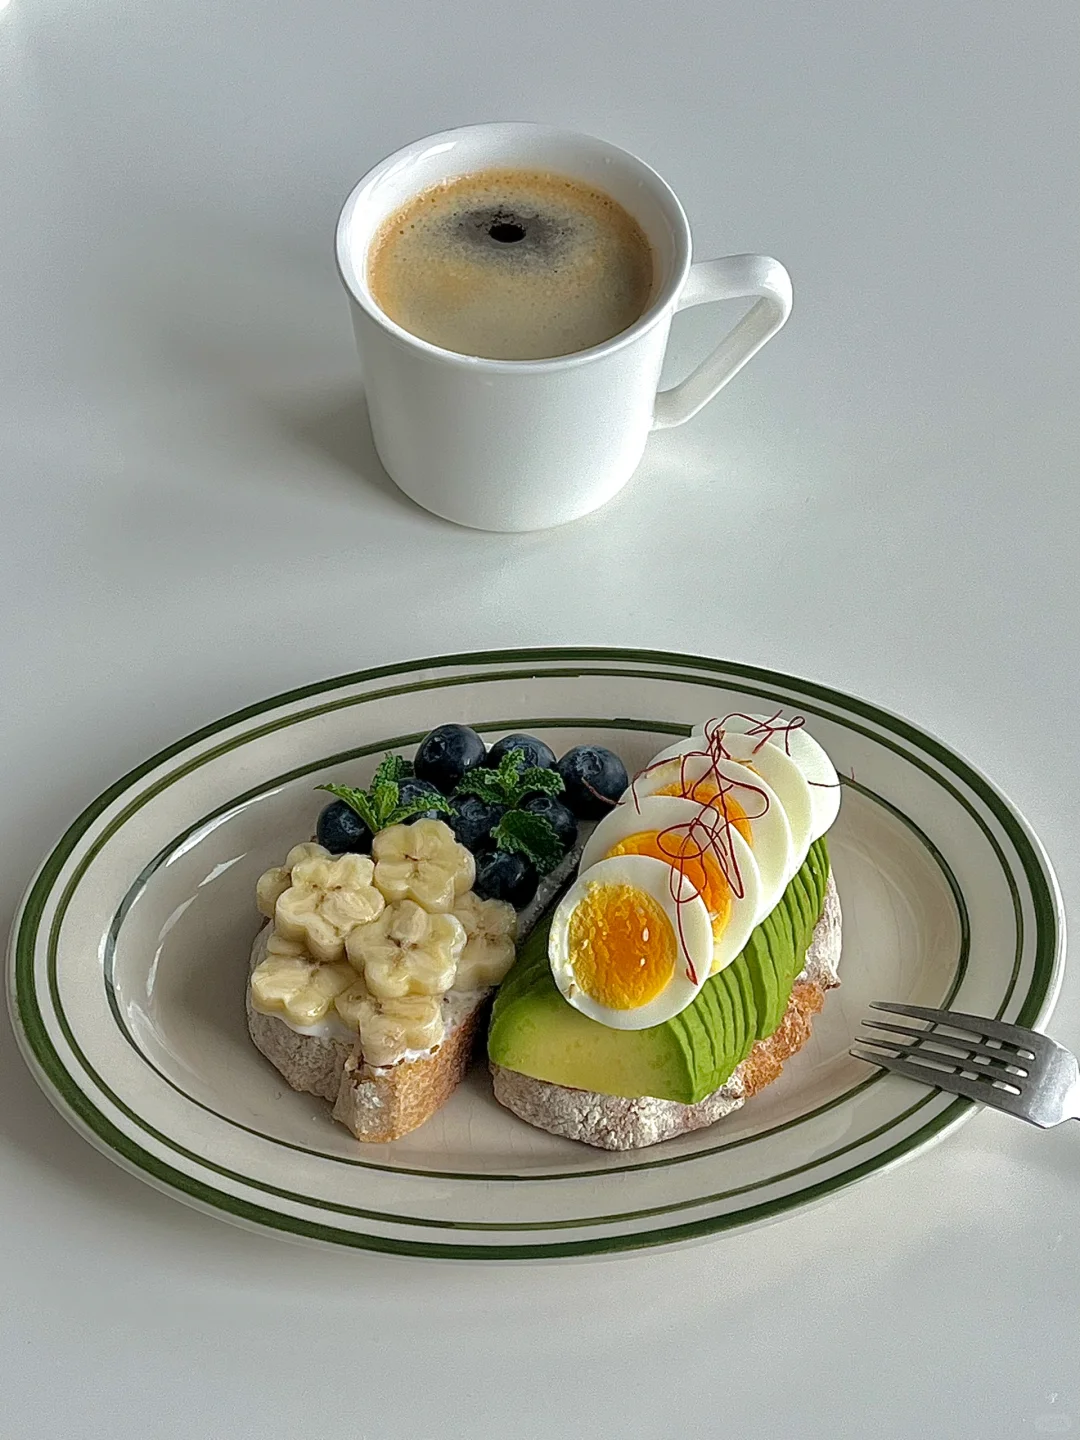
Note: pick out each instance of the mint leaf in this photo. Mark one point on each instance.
(385, 797)
(404, 812)
(534, 780)
(392, 768)
(509, 768)
(484, 783)
(381, 805)
(356, 800)
(508, 784)
(531, 836)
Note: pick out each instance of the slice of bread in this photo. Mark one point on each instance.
(376, 1104)
(380, 1104)
(613, 1122)
(385, 1104)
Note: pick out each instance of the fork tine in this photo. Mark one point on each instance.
(947, 1064)
(976, 1025)
(980, 1091)
(929, 1040)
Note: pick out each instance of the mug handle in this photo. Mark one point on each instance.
(731, 278)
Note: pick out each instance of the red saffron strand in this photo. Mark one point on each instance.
(717, 830)
(718, 837)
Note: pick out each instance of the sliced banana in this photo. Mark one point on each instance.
(270, 884)
(306, 850)
(275, 881)
(490, 928)
(302, 990)
(390, 1028)
(422, 862)
(350, 1001)
(327, 898)
(279, 948)
(406, 951)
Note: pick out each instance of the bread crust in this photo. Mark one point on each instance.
(377, 1105)
(613, 1122)
(380, 1105)
(384, 1104)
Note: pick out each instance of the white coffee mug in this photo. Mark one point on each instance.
(525, 444)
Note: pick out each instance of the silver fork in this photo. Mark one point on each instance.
(1004, 1066)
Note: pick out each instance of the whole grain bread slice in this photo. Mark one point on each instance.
(385, 1103)
(376, 1104)
(379, 1105)
(613, 1122)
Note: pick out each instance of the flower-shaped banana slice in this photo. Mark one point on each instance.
(270, 884)
(422, 862)
(390, 1028)
(406, 951)
(307, 850)
(490, 929)
(289, 984)
(278, 878)
(328, 897)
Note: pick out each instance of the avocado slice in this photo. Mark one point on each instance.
(743, 1026)
(536, 1032)
(722, 1017)
(802, 907)
(770, 996)
(539, 1034)
(740, 978)
(787, 928)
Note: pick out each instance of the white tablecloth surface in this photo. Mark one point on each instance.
(886, 500)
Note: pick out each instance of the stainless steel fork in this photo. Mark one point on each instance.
(1004, 1066)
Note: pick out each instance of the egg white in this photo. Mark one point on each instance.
(800, 746)
(770, 831)
(770, 764)
(688, 917)
(663, 812)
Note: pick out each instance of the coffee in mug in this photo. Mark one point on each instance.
(443, 288)
(512, 264)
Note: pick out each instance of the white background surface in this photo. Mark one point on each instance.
(884, 500)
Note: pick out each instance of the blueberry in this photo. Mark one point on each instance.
(501, 875)
(473, 821)
(595, 778)
(559, 816)
(413, 789)
(447, 753)
(342, 831)
(536, 752)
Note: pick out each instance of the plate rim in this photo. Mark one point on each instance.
(67, 1094)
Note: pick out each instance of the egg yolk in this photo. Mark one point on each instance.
(706, 792)
(678, 849)
(622, 946)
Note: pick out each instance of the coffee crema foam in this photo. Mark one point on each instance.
(512, 265)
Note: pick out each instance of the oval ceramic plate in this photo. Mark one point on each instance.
(129, 961)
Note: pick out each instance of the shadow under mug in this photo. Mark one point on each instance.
(526, 444)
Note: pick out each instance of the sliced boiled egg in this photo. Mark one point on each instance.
(631, 943)
(695, 842)
(800, 746)
(744, 798)
(768, 762)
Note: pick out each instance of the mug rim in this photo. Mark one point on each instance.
(359, 292)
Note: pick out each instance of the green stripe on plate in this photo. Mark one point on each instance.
(546, 664)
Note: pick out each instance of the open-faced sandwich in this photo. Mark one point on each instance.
(660, 947)
(685, 963)
(385, 936)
